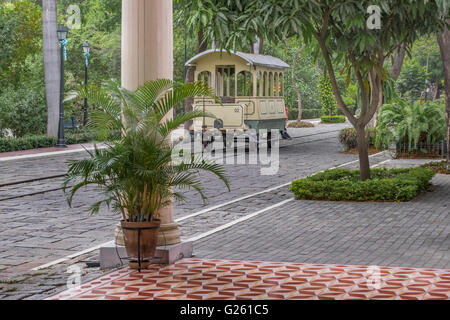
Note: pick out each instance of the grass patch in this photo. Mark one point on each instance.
(345, 185)
(438, 167)
(301, 124)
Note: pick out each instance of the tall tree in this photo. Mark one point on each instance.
(257, 47)
(397, 63)
(342, 32)
(20, 31)
(294, 83)
(51, 64)
(444, 44)
(195, 15)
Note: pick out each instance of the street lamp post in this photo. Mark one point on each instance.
(62, 36)
(86, 51)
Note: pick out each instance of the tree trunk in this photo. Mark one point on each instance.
(398, 61)
(51, 64)
(188, 103)
(257, 46)
(294, 84)
(363, 152)
(395, 73)
(444, 44)
(202, 44)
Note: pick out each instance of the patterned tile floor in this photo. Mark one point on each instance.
(201, 279)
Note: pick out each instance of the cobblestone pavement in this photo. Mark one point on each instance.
(412, 234)
(41, 228)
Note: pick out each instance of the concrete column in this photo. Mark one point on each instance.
(147, 41)
(147, 54)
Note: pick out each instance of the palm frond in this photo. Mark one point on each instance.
(135, 174)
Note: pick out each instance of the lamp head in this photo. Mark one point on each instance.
(86, 47)
(62, 32)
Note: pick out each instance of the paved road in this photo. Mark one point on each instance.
(413, 234)
(41, 228)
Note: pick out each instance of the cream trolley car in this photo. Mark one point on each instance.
(250, 87)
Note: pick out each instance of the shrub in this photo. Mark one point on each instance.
(343, 184)
(23, 111)
(300, 124)
(333, 119)
(306, 114)
(411, 123)
(41, 141)
(348, 137)
(311, 113)
(438, 167)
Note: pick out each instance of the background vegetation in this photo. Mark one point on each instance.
(22, 99)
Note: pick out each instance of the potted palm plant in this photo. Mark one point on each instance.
(135, 173)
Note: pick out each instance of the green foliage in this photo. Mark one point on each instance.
(232, 23)
(412, 79)
(20, 33)
(410, 123)
(23, 111)
(427, 53)
(103, 15)
(327, 99)
(26, 143)
(306, 73)
(136, 173)
(349, 139)
(101, 26)
(343, 184)
(40, 141)
(332, 119)
(306, 113)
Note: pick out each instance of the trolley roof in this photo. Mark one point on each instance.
(253, 59)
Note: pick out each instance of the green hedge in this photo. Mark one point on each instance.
(41, 141)
(343, 184)
(23, 111)
(306, 114)
(348, 137)
(333, 119)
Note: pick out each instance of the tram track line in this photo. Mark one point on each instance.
(8, 184)
(266, 190)
(212, 231)
(251, 215)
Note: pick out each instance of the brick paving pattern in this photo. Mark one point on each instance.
(196, 279)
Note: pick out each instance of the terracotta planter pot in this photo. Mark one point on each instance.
(140, 241)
